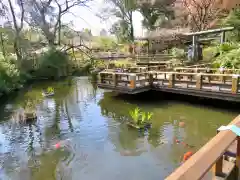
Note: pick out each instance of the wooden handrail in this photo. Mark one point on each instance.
(202, 161)
(198, 65)
(119, 73)
(206, 69)
(193, 68)
(183, 73)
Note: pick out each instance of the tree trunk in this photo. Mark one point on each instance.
(2, 44)
(17, 48)
(59, 32)
(51, 42)
(131, 28)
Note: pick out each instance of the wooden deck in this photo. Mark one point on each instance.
(215, 86)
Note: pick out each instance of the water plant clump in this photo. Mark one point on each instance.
(139, 119)
(48, 92)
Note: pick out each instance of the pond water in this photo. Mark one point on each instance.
(95, 142)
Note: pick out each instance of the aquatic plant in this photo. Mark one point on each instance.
(135, 114)
(143, 117)
(140, 119)
(50, 90)
(149, 116)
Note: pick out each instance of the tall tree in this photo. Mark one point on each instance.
(17, 26)
(201, 13)
(47, 16)
(121, 30)
(123, 11)
(233, 19)
(156, 14)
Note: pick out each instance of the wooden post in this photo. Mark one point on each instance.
(194, 45)
(171, 80)
(99, 78)
(238, 159)
(132, 79)
(150, 79)
(199, 81)
(222, 37)
(196, 70)
(114, 76)
(148, 45)
(218, 166)
(235, 80)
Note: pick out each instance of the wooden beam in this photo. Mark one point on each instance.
(212, 31)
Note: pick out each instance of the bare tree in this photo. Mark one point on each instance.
(201, 13)
(47, 15)
(17, 26)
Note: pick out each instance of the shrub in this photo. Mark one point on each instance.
(231, 59)
(50, 63)
(178, 53)
(10, 76)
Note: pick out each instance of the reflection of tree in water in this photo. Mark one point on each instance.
(116, 106)
(128, 138)
(128, 141)
(94, 90)
(49, 165)
(65, 105)
(154, 137)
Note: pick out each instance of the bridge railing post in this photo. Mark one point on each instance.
(237, 175)
(132, 79)
(235, 80)
(218, 166)
(150, 79)
(100, 78)
(199, 81)
(114, 77)
(171, 80)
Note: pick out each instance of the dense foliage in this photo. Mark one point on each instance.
(51, 62)
(229, 55)
(10, 76)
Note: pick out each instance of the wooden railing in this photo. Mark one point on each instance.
(196, 81)
(137, 69)
(153, 57)
(208, 70)
(211, 157)
(125, 80)
(199, 65)
(215, 86)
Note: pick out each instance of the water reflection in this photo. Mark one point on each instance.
(100, 145)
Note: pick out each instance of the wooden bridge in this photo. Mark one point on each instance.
(217, 84)
(108, 56)
(212, 160)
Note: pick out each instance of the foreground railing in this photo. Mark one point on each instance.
(210, 156)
